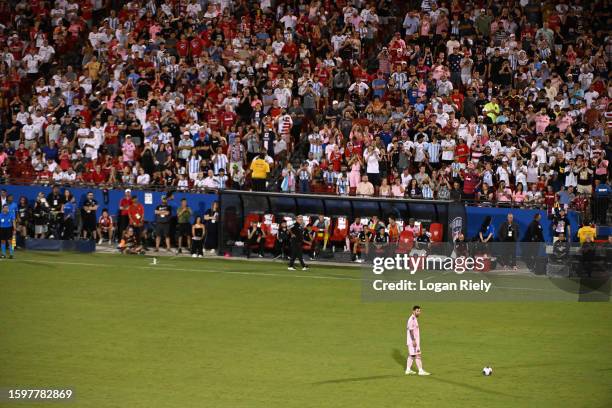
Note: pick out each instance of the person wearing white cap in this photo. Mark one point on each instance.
(185, 145)
(124, 205)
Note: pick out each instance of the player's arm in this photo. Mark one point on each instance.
(412, 337)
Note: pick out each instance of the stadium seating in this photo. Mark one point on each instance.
(406, 242)
(436, 231)
(247, 223)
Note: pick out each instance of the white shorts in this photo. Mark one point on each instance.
(413, 351)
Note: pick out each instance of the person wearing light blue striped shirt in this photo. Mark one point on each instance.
(433, 150)
(219, 160)
(342, 185)
(193, 165)
(426, 189)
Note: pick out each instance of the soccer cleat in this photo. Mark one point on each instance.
(4, 257)
(194, 255)
(100, 241)
(260, 255)
(423, 372)
(305, 268)
(410, 372)
(291, 268)
(200, 256)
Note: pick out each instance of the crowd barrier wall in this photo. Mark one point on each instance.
(199, 203)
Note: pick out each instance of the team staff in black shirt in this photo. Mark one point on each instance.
(282, 244)
(88, 216)
(297, 236)
(162, 223)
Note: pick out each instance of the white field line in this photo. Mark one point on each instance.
(208, 270)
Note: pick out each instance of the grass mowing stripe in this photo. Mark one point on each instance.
(207, 270)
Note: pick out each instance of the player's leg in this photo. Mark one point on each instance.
(292, 258)
(168, 247)
(409, 362)
(3, 246)
(158, 234)
(9, 242)
(419, 364)
(301, 259)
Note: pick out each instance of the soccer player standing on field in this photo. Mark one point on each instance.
(7, 228)
(414, 342)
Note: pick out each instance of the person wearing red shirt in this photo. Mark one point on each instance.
(97, 176)
(554, 21)
(549, 199)
(335, 159)
(111, 136)
(213, 119)
(228, 117)
(195, 47)
(136, 216)
(457, 99)
(86, 10)
(22, 154)
(124, 206)
(205, 37)
(471, 182)
(274, 68)
(182, 47)
(290, 50)
(461, 152)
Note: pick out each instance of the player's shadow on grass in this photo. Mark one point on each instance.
(401, 360)
(356, 379)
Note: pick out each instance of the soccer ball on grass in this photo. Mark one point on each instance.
(487, 371)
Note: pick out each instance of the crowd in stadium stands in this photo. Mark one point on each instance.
(499, 102)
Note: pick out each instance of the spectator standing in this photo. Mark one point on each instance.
(259, 172)
(88, 217)
(163, 213)
(509, 235)
(184, 227)
(198, 231)
(124, 206)
(136, 218)
(211, 221)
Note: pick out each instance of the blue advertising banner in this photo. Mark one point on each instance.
(199, 203)
(523, 217)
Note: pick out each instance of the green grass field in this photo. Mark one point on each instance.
(214, 333)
